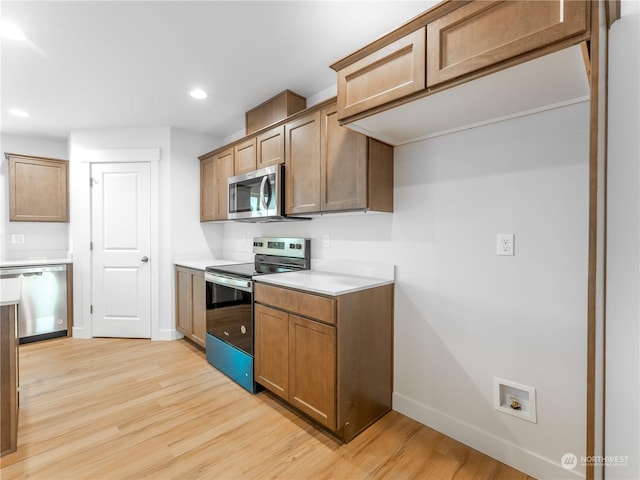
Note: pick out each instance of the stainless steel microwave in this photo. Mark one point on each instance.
(257, 196)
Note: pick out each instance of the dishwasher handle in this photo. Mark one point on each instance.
(28, 271)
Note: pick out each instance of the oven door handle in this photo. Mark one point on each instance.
(240, 284)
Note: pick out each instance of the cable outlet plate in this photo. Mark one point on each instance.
(505, 244)
(17, 238)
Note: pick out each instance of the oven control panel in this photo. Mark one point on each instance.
(286, 247)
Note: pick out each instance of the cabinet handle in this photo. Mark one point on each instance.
(144, 259)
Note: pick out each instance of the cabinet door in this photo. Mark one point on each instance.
(312, 369)
(223, 169)
(480, 34)
(271, 330)
(38, 189)
(245, 156)
(198, 308)
(388, 74)
(270, 147)
(343, 165)
(302, 153)
(9, 395)
(208, 198)
(183, 300)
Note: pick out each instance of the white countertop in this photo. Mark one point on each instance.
(35, 261)
(326, 283)
(202, 264)
(10, 290)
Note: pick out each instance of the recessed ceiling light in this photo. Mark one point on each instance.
(198, 93)
(12, 31)
(18, 113)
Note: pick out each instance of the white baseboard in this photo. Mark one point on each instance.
(79, 332)
(506, 452)
(167, 335)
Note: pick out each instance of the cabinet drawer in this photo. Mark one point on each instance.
(481, 34)
(301, 303)
(390, 73)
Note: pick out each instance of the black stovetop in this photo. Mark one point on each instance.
(248, 270)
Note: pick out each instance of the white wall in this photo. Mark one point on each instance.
(622, 428)
(464, 315)
(188, 238)
(41, 239)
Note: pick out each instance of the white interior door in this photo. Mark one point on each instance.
(121, 237)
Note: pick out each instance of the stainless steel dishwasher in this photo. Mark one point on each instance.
(42, 312)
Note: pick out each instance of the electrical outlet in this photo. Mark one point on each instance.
(505, 244)
(326, 241)
(17, 238)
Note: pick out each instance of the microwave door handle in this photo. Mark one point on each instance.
(263, 184)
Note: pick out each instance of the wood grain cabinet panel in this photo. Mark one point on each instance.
(302, 153)
(270, 147)
(38, 189)
(312, 369)
(356, 172)
(272, 348)
(331, 168)
(191, 314)
(208, 197)
(338, 374)
(390, 73)
(183, 300)
(323, 308)
(484, 33)
(245, 156)
(9, 398)
(343, 166)
(223, 169)
(274, 110)
(215, 171)
(198, 307)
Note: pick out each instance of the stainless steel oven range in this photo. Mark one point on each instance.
(229, 339)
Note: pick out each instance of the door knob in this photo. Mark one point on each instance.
(145, 259)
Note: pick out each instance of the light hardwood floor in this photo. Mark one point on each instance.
(136, 409)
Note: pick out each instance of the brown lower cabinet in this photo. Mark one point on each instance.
(9, 399)
(191, 313)
(329, 357)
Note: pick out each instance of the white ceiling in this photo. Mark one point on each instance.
(122, 64)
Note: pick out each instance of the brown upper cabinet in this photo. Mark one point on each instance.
(38, 189)
(331, 168)
(270, 147)
(214, 173)
(244, 156)
(482, 33)
(393, 72)
(356, 172)
(453, 43)
(274, 110)
(302, 154)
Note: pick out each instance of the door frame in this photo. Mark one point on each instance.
(81, 233)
